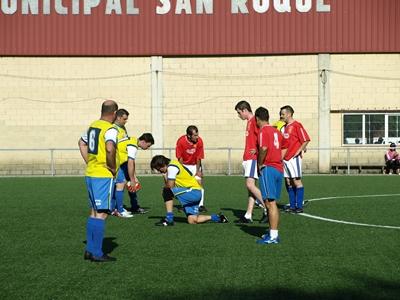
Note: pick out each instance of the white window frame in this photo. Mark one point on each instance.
(386, 138)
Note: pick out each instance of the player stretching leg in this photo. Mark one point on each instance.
(180, 184)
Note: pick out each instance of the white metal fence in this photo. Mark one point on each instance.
(223, 160)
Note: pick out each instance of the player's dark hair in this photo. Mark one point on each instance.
(121, 112)
(288, 108)
(191, 129)
(158, 162)
(147, 137)
(262, 114)
(242, 105)
(109, 106)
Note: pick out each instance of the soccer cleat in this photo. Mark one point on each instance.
(125, 214)
(202, 208)
(268, 240)
(299, 211)
(222, 219)
(243, 220)
(87, 255)
(104, 258)
(139, 211)
(165, 222)
(259, 204)
(290, 210)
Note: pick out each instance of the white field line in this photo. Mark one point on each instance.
(346, 222)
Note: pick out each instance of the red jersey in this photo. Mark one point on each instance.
(188, 151)
(296, 135)
(251, 140)
(273, 140)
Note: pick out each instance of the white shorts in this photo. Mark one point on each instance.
(250, 169)
(192, 169)
(292, 167)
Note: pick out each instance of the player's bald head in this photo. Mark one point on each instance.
(109, 107)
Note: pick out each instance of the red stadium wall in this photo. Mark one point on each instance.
(197, 27)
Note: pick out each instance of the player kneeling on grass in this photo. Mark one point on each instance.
(180, 184)
(272, 148)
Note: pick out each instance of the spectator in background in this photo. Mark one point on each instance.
(392, 160)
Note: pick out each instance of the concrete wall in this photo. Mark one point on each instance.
(48, 102)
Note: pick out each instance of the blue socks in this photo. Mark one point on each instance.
(119, 197)
(170, 217)
(299, 197)
(292, 196)
(89, 235)
(215, 218)
(94, 236)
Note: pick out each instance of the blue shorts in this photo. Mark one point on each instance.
(270, 182)
(100, 192)
(189, 199)
(122, 175)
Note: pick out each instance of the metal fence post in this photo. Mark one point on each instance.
(229, 161)
(53, 173)
(348, 161)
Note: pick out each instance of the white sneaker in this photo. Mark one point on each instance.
(125, 211)
(125, 214)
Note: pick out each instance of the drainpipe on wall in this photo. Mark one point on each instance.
(324, 117)
(157, 103)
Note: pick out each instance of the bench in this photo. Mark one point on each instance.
(359, 168)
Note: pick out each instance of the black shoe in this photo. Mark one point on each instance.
(87, 255)
(104, 258)
(222, 219)
(290, 210)
(299, 211)
(139, 211)
(164, 222)
(202, 209)
(243, 220)
(264, 219)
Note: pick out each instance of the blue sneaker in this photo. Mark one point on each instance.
(268, 240)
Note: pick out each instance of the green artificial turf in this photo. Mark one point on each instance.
(42, 234)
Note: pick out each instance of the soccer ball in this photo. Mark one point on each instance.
(138, 186)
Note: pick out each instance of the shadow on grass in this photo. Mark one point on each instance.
(256, 231)
(364, 288)
(108, 244)
(176, 219)
(238, 213)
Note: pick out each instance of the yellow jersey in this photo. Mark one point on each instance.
(97, 135)
(184, 178)
(279, 125)
(121, 146)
